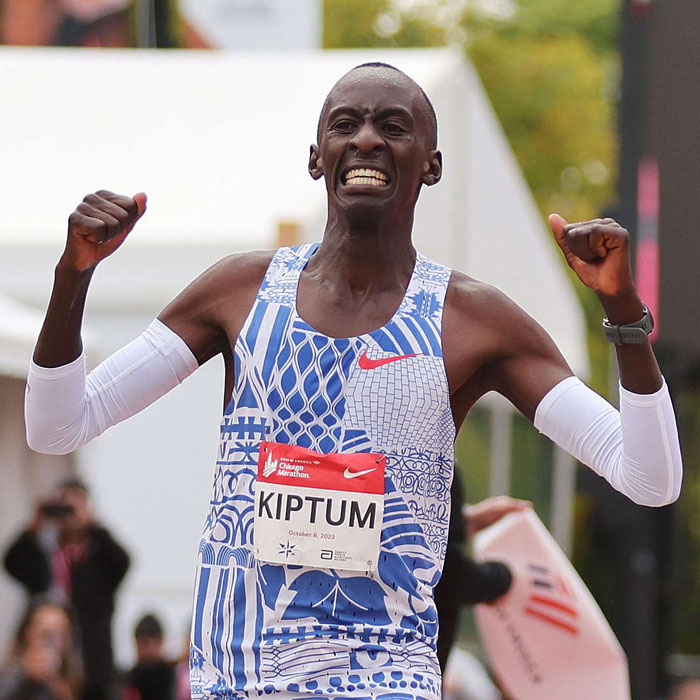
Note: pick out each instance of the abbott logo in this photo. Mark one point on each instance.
(551, 601)
(270, 466)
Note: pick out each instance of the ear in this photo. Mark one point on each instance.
(315, 163)
(432, 171)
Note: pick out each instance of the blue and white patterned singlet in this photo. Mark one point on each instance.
(300, 632)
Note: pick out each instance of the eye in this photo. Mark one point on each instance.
(344, 126)
(394, 129)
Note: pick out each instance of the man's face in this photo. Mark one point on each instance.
(149, 649)
(375, 144)
(75, 520)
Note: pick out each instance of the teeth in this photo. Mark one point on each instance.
(365, 181)
(365, 176)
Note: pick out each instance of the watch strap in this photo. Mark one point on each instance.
(630, 333)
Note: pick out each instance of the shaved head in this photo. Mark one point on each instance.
(377, 67)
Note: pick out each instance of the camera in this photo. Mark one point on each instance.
(56, 509)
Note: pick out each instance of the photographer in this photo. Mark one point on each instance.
(65, 552)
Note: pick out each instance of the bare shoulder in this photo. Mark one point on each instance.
(492, 344)
(470, 301)
(240, 269)
(232, 276)
(209, 313)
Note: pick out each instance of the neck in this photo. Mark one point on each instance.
(364, 255)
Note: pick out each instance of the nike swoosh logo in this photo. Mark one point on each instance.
(351, 475)
(367, 363)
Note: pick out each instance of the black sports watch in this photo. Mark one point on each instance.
(630, 333)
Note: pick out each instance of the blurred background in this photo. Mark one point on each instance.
(588, 109)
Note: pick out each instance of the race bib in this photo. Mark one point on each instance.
(320, 510)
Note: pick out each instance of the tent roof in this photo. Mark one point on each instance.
(219, 141)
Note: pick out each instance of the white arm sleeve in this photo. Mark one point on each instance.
(64, 409)
(636, 450)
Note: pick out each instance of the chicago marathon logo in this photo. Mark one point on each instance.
(270, 466)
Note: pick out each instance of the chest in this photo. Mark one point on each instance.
(342, 315)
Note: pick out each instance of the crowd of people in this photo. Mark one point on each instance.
(71, 567)
(46, 661)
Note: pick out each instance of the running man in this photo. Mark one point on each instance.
(350, 364)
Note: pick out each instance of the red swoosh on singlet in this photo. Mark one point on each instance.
(367, 363)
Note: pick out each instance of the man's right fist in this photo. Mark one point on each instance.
(99, 226)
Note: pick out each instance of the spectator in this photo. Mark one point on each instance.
(43, 664)
(152, 678)
(468, 582)
(66, 552)
(465, 581)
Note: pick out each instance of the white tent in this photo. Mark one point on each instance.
(219, 141)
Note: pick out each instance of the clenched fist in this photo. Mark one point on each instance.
(99, 225)
(598, 252)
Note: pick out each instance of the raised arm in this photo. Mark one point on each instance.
(526, 364)
(97, 227)
(598, 252)
(637, 449)
(63, 408)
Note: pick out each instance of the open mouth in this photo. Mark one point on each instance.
(365, 176)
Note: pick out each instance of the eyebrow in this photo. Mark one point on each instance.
(381, 113)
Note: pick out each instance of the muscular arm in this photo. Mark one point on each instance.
(598, 252)
(515, 356)
(98, 226)
(63, 408)
(493, 345)
(209, 314)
